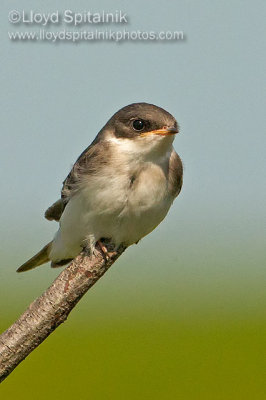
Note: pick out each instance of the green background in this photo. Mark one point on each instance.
(182, 314)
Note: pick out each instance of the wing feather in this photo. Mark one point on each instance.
(175, 175)
(88, 163)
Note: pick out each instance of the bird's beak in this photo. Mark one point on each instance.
(164, 131)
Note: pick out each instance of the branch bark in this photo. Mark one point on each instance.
(49, 310)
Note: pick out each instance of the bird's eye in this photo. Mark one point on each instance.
(138, 124)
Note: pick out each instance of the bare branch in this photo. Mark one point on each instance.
(48, 311)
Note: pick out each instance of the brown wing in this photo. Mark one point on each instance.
(55, 211)
(175, 174)
(88, 163)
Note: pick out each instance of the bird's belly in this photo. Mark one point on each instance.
(120, 210)
(132, 225)
(89, 215)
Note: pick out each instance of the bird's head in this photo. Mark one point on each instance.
(141, 128)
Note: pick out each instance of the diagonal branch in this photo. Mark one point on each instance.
(48, 311)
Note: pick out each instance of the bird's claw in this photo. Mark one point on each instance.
(107, 254)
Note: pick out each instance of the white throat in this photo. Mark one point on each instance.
(149, 148)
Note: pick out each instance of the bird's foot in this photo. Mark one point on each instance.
(103, 244)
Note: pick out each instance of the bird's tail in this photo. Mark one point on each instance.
(40, 258)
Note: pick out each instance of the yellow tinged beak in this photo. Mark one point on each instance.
(165, 131)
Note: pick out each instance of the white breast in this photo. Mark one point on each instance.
(125, 202)
(147, 204)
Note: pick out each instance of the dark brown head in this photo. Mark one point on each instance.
(141, 120)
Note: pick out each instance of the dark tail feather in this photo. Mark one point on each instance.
(40, 258)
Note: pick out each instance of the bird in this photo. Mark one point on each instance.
(120, 188)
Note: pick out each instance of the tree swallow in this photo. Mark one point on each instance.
(120, 188)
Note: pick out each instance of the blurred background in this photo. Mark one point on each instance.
(182, 314)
